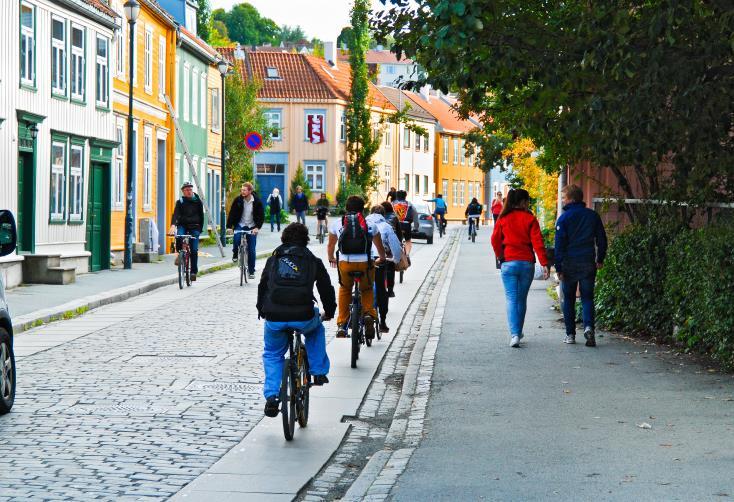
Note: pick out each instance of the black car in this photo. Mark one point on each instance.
(8, 238)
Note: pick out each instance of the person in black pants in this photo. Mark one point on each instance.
(393, 252)
(392, 219)
(188, 218)
(275, 203)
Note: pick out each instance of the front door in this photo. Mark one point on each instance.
(98, 217)
(26, 202)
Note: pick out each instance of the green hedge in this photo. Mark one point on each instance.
(673, 283)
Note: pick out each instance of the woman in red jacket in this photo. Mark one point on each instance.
(516, 235)
(496, 206)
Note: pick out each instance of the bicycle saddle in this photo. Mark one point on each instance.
(356, 274)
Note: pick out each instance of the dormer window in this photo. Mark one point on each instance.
(271, 72)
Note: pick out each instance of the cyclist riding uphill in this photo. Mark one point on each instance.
(354, 237)
(406, 215)
(322, 211)
(188, 218)
(247, 213)
(439, 209)
(473, 209)
(285, 299)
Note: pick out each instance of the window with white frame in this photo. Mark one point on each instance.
(27, 43)
(388, 175)
(476, 190)
(216, 109)
(343, 128)
(58, 180)
(58, 55)
(148, 60)
(147, 168)
(418, 142)
(202, 100)
(454, 192)
(342, 171)
(78, 63)
(315, 175)
(120, 49)
(425, 185)
(445, 188)
(456, 150)
(274, 118)
(462, 152)
(426, 139)
(161, 66)
(471, 191)
(417, 184)
(101, 69)
(388, 137)
(315, 126)
(445, 147)
(185, 96)
(195, 96)
(462, 193)
(406, 179)
(406, 137)
(390, 69)
(177, 171)
(117, 174)
(76, 183)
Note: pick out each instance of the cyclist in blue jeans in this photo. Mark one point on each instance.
(247, 213)
(439, 210)
(581, 246)
(285, 299)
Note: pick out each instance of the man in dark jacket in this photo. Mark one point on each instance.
(247, 213)
(188, 218)
(581, 246)
(473, 209)
(299, 203)
(285, 299)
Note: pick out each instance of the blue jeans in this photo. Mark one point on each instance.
(472, 222)
(439, 215)
(517, 276)
(301, 216)
(276, 345)
(273, 219)
(193, 247)
(581, 276)
(251, 245)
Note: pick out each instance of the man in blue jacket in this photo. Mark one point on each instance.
(581, 246)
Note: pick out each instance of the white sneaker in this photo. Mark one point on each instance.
(515, 341)
(570, 339)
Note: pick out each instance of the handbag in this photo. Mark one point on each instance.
(404, 262)
(539, 271)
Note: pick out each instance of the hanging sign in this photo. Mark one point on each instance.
(315, 129)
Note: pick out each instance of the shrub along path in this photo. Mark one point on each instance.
(624, 421)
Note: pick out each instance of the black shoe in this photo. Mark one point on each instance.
(320, 380)
(193, 277)
(369, 327)
(272, 407)
(391, 294)
(234, 258)
(590, 337)
(341, 332)
(384, 328)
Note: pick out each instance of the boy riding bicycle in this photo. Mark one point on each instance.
(285, 299)
(322, 213)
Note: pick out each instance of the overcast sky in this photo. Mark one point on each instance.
(322, 19)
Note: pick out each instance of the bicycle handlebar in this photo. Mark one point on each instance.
(182, 236)
(248, 232)
(475, 216)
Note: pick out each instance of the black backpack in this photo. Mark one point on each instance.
(291, 277)
(355, 237)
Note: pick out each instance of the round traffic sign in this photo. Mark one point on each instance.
(253, 141)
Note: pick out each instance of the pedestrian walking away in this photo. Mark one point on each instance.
(354, 238)
(473, 209)
(299, 203)
(247, 213)
(275, 203)
(392, 219)
(516, 235)
(188, 218)
(285, 300)
(581, 246)
(393, 252)
(496, 207)
(406, 214)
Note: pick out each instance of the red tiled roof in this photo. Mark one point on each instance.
(385, 57)
(446, 115)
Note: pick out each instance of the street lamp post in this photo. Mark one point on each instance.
(132, 9)
(223, 67)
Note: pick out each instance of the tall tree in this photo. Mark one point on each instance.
(362, 143)
(203, 17)
(291, 34)
(246, 26)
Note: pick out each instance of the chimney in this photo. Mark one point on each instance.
(330, 53)
(239, 53)
(425, 92)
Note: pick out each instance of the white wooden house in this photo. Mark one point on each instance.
(56, 136)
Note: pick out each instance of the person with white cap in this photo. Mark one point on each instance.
(275, 203)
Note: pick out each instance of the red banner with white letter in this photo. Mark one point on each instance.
(315, 129)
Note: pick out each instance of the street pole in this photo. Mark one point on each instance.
(132, 9)
(223, 205)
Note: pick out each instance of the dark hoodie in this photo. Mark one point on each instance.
(189, 213)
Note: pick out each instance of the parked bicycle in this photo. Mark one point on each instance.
(473, 227)
(356, 322)
(294, 387)
(242, 255)
(184, 260)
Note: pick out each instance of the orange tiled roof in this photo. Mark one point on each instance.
(385, 57)
(446, 115)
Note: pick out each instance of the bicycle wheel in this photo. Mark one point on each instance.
(241, 264)
(304, 381)
(288, 401)
(473, 235)
(187, 268)
(354, 321)
(180, 270)
(243, 254)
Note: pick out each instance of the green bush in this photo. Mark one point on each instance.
(346, 190)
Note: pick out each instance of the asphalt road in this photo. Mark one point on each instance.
(556, 422)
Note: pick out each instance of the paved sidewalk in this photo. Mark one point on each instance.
(624, 421)
(29, 303)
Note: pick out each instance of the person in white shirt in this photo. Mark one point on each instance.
(393, 252)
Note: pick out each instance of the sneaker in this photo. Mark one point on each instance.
(384, 328)
(369, 327)
(234, 258)
(251, 276)
(515, 341)
(272, 406)
(193, 277)
(341, 332)
(570, 339)
(177, 260)
(391, 294)
(320, 380)
(590, 337)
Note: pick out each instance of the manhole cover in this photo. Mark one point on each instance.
(117, 409)
(233, 387)
(173, 358)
